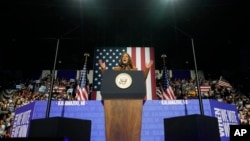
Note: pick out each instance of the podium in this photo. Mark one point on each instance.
(123, 93)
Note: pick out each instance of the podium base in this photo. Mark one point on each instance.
(191, 127)
(59, 127)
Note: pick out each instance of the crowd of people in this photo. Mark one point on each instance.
(24, 92)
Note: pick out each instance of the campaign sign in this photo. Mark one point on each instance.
(239, 132)
(227, 114)
(23, 116)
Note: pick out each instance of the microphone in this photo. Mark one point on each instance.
(123, 66)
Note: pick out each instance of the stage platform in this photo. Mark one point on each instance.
(154, 112)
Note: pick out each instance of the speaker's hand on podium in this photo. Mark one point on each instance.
(102, 64)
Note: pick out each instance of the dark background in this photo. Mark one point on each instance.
(220, 30)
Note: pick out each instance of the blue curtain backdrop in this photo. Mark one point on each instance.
(67, 74)
(181, 74)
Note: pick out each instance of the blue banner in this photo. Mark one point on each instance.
(21, 122)
(227, 114)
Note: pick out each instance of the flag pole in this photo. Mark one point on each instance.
(86, 57)
(53, 71)
(197, 80)
(163, 56)
(52, 81)
(196, 70)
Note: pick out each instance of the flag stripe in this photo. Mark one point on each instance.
(146, 59)
(132, 52)
(152, 79)
(143, 57)
(224, 83)
(204, 88)
(82, 93)
(94, 95)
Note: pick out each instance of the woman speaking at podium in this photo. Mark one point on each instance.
(123, 106)
(125, 63)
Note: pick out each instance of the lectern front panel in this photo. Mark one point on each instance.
(123, 85)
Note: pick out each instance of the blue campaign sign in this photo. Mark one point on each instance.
(227, 114)
(23, 116)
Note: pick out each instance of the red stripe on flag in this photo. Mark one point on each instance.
(154, 96)
(204, 88)
(142, 55)
(143, 59)
(93, 95)
(82, 94)
(224, 84)
(133, 55)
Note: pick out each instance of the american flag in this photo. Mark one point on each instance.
(224, 83)
(166, 88)
(111, 56)
(204, 88)
(82, 89)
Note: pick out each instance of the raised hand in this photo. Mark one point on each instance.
(149, 64)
